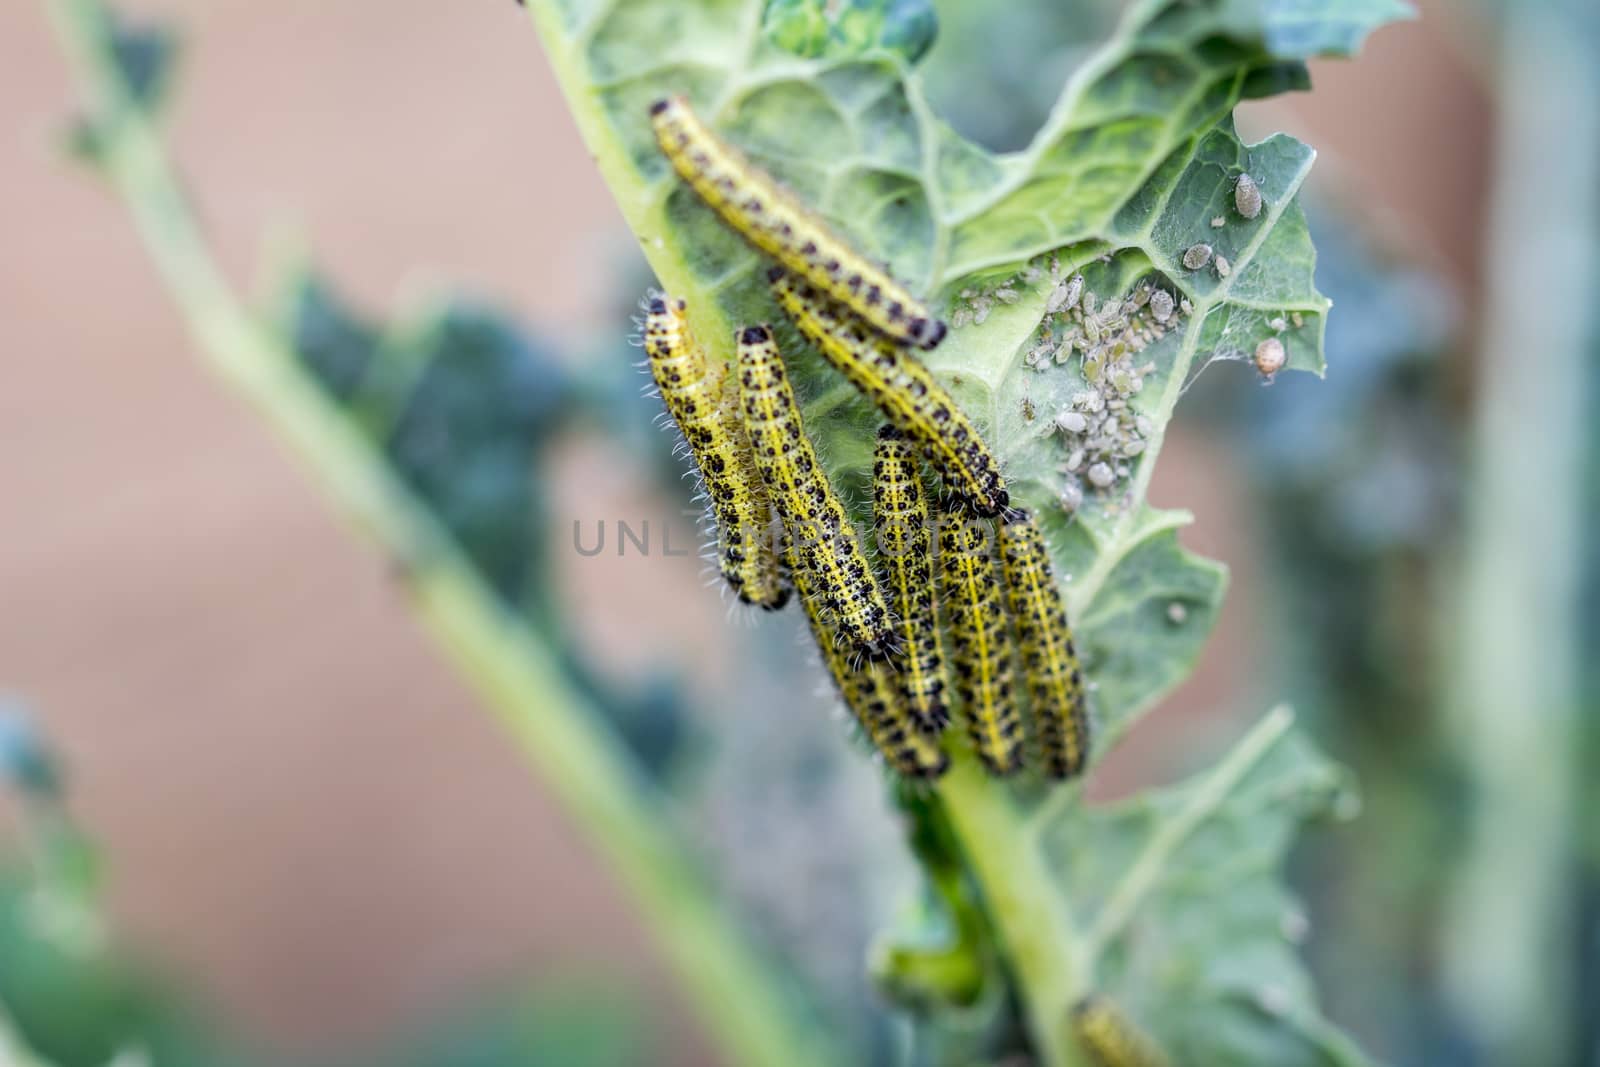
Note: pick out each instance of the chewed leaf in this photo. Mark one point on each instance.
(1190, 927)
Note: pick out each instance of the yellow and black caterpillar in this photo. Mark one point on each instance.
(868, 689)
(1110, 1038)
(970, 592)
(698, 401)
(773, 219)
(825, 543)
(900, 517)
(907, 393)
(1056, 690)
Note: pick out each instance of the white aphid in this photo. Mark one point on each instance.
(1197, 256)
(1071, 497)
(1072, 422)
(1270, 357)
(1065, 296)
(1161, 305)
(1218, 222)
(1247, 196)
(1101, 475)
(1224, 268)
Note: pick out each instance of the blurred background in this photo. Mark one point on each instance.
(286, 806)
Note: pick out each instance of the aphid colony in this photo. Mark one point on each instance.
(879, 630)
(1102, 433)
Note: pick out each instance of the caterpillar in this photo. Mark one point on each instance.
(770, 217)
(904, 390)
(826, 544)
(900, 517)
(1110, 1038)
(1050, 666)
(981, 655)
(870, 693)
(697, 399)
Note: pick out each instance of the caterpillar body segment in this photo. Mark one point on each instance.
(825, 543)
(770, 217)
(868, 689)
(980, 646)
(900, 516)
(1110, 1039)
(696, 397)
(904, 390)
(1050, 668)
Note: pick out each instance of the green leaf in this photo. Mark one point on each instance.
(1189, 927)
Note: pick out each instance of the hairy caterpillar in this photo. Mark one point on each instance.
(824, 540)
(1049, 662)
(868, 689)
(907, 393)
(697, 399)
(970, 590)
(1110, 1038)
(900, 515)
(771, 218)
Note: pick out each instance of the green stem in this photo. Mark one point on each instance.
(1025, 902)
(740, 998)
(1514, 685)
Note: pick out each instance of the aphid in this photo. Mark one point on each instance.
(1247, 196)
(1197, 256)
(981, 648)
(1030, 411)
(1270, 358)
(1065, 296)
(900, 514)
(1224, 268)
(773, 219)
(1110, 1039)
(1218, 222)
(907, 393)
(868, 690)
(1161, 305)
(1072, 422)
(709, 418)
(1050, 668)
(1071, 497)
(826, 543)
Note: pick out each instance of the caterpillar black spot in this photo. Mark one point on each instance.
(907, 393)
(900, 515)
(770, 217)
(825, 543)
(868, 689)
(698, 400)
(981, 647)
(1050, 668)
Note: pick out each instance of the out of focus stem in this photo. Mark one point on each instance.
(741, 1000)
(1510, 935)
